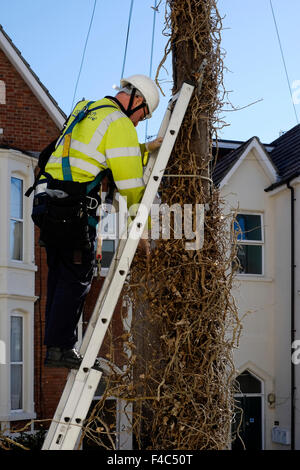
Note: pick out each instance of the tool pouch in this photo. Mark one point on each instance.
(39, 209)
(63, 222)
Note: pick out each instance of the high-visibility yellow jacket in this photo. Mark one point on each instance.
(106, 138)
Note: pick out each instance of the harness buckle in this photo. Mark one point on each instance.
(92, 203)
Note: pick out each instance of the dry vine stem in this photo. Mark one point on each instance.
(179, 373)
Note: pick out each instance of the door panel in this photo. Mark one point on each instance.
(250, 429)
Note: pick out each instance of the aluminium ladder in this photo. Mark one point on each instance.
(81, 384)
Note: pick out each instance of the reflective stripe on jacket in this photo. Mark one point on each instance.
(106, 138)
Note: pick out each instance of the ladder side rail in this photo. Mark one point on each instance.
(161, 133)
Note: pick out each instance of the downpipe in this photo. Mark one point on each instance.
(293, 387)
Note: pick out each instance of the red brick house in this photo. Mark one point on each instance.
(29, 120)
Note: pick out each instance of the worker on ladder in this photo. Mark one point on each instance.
(99, 139)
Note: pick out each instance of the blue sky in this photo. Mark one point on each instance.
(51, 35)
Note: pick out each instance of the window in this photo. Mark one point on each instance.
(250, 243)
(108, 233)
(108, 250)
(16, 363)
(16, 219)
(248, 383)
(2, 92)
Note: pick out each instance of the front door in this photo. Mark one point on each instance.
(251, 426)
(248, 406)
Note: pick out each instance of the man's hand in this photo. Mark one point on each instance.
(154, 144)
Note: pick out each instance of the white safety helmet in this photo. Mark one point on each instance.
(146, 87)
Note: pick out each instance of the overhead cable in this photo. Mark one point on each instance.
(83, 54)
(155, 8)
(127, 37)
(283, 59)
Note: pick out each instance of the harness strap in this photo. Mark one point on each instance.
(97, 181)
(66, 167)
(82, 114)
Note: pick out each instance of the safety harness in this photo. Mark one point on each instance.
(65, 210)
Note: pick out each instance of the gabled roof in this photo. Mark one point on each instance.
(283, 153)
(225, 163)
(31, 79)
(228, 164)
(286, 155)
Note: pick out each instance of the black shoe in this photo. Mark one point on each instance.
(58, 357)
(71, 358)
(53, 357)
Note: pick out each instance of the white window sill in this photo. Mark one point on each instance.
(18, 416)
(253, 278)
(21, 265)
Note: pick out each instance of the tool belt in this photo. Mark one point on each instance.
(66, 215)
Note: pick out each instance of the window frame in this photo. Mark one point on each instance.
(254, 243)
(15, 219)
(107, 236)
(17, 410)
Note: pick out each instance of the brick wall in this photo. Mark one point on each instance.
(25, 123)
(48, 383)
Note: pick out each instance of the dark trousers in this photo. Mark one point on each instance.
(68, 286)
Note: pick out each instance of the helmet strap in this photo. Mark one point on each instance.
(130, 111)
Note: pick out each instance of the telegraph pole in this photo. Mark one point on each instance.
(186, 381)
